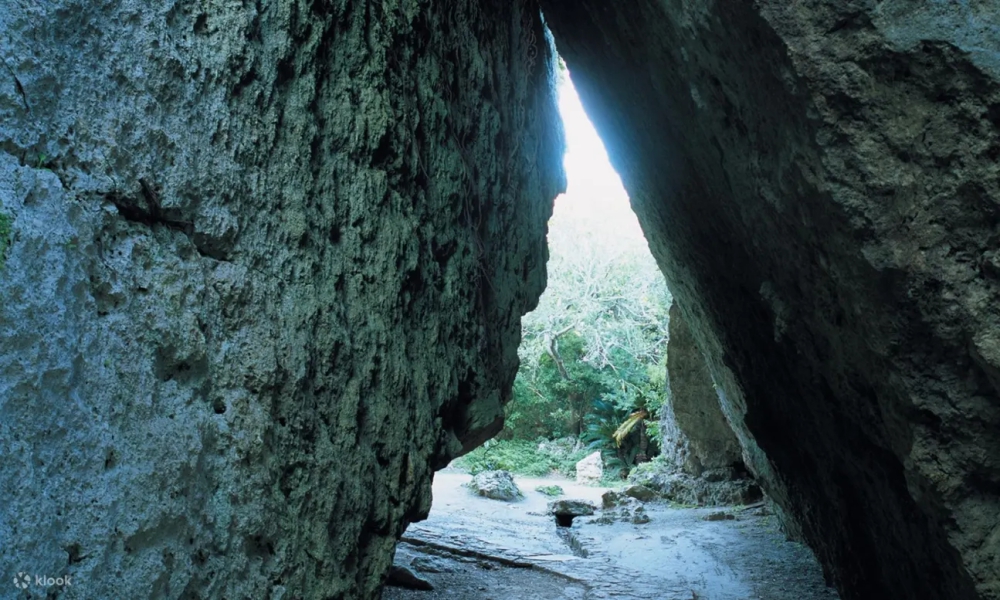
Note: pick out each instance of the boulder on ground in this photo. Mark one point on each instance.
(571, 508)
(624, 510)
(400, 576)
(639, 492)
(496, 485)
(610, 499)
(590, 469)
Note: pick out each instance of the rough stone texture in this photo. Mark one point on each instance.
(611, 498)
(702, 461)
(267, 272)
(495, 485)
(696, 435)
(402, 576)
(572, 508)
(590, 469)
(639, 492)
(718, 487)
(819, 181)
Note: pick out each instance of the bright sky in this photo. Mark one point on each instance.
(594, 191)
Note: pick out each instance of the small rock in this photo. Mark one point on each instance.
(400, 576)
(719, 516)
(610, 499)
(590, 470)
(639, 492)
(640, 518)
(496, 485)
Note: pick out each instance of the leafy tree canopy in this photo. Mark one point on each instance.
(592, 352)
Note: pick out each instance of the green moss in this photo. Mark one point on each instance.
(5, 233)
(550, 490)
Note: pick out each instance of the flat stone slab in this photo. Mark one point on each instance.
(571, 508)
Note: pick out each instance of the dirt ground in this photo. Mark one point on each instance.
(473, 548)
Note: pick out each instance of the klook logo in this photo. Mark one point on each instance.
(43, 581)
(22, 580)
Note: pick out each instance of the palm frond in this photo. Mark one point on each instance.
(628, 424)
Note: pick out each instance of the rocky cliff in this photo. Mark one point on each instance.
(263, 268)
(701, 460)
(819, 181)
(696, 435)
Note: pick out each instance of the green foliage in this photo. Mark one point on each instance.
(644, 473)
(549, 405)
(5, 235)
(533, 459)
(613, 476)
(602, 423)
(534, 412)
(517, 456)
(593, 351)
(550, 490)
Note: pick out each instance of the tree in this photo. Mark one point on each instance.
(596, 338)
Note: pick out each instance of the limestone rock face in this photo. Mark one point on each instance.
(266, 272)
(590, 469)
(696, 435)
(702, 461)
(820, 183)
(712, 488)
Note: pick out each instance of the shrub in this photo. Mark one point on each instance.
(550, 490)
(517, 456)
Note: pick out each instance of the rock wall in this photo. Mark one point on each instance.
(266, 270)
(819, 181)
(696, 435)
(701, 461)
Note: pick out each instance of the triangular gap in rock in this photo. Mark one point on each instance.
(615, 457)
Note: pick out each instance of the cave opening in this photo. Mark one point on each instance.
(615, 472)
(263, 268)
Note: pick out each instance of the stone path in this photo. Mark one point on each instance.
(473, 547)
